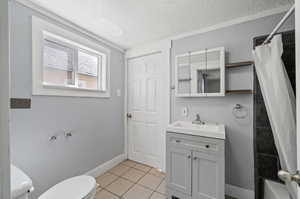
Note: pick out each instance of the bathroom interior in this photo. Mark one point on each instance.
(219, 120)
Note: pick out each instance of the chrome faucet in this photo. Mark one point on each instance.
(198, 120)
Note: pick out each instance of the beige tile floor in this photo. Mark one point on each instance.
(132, 180)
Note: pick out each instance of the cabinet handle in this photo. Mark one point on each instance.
(177, 141)
(189, 157)
(195, 158)
(207, 146)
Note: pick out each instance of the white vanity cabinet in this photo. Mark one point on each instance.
(195, 167)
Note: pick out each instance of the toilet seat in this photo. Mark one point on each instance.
(80, 187)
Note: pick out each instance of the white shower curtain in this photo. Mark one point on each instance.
(280, 102)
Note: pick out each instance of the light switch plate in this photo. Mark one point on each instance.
(118, 92)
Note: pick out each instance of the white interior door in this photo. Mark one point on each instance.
(145, 112)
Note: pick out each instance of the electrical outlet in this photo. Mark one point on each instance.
(184, 112)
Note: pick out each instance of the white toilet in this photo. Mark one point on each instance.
(80, 187)
(21, 184)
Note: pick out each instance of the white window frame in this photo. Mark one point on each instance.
(42, 30)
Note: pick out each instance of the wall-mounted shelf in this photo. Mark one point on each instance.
(239, 64)
(245, 91)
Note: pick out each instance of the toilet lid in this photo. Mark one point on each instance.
(76, 188)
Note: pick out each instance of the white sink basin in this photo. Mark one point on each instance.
(211, 130)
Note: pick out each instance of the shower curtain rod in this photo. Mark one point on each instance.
(283, 20)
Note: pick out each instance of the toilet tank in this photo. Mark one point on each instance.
(21, 184)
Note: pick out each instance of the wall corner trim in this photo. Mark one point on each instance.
(99, 170)
(46, 12)
(238, 192)
(232, 22)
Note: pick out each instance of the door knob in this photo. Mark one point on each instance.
(195, 158)
(129, 115)
(189, 157)
(288, 177)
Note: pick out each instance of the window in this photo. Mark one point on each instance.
(58, 64)
(67, 66)
(70, 66)
(88, 69)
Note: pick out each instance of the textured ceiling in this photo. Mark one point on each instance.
(132, 22)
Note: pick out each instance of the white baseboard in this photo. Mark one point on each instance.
(106, 166)
(238, 192)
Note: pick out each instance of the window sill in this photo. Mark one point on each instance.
(69, 87)
(69, 91)
(88, 74)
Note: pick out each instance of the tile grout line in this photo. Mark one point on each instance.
(114, 180)
(153, 191)
(120, 176)
(159, 186)
(156, 188)
(136, 183)
(120, 197)
(133, 183)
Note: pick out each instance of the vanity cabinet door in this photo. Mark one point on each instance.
(179, 170)
(208, 176)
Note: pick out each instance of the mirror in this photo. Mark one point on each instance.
(200, 73)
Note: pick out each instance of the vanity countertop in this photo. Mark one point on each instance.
(210, 130)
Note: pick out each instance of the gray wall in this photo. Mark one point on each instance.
(97, 124)
(4, 101)
(237, 40)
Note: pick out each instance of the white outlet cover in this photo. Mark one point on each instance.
(184, 111)
(118, 92)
